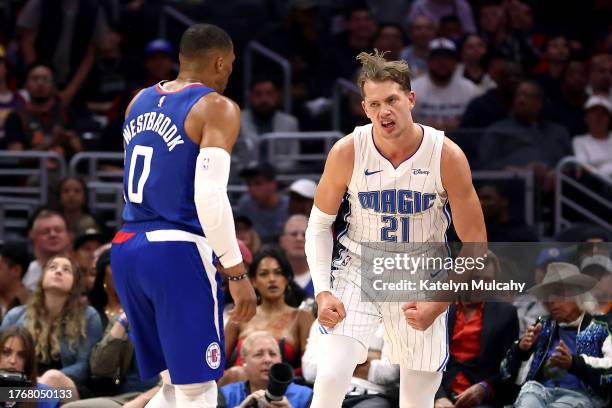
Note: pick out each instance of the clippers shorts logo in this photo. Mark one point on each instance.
(213, 355)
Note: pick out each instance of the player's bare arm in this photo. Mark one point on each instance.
(319, 241)
(336, 176)
(467, 219)
(465, 205)
(215, 124)
(129, 107)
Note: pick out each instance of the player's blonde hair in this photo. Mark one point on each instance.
(374, 67)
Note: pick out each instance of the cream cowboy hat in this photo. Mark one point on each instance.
(562, 279)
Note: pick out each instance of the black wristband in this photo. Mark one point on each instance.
(239, 277)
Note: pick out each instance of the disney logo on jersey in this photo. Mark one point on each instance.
(418, 172)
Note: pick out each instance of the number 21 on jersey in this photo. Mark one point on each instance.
(388, 233)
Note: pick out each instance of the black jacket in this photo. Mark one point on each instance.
(500, 327)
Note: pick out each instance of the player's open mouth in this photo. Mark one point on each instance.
(388, 125)
(272, 287)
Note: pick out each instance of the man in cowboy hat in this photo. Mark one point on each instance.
(528, 306)
(568, 354)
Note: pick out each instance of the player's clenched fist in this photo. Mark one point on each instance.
(530, 337)
(331, 309)
(420, 315)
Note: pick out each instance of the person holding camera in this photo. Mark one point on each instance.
(266, 378)
(18, 365)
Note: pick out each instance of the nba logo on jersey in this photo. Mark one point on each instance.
(213, 355)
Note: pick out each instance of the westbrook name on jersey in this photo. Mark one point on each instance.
(163, 267)
(160, 160)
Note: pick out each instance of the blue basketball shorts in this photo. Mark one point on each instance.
(171, 292)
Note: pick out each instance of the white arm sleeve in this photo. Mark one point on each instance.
(213, 206)
(319, 248)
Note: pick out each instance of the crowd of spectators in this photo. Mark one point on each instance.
(514, 86)
(80, 333)
(520, 87)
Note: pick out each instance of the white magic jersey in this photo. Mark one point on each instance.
(388, 205)
(384, 204)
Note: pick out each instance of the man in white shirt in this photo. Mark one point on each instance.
(595, 147)
(443, 96)
(264, 116)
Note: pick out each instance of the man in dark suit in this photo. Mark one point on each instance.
(480, 334)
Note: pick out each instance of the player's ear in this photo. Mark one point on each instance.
(219, 64)
(412, 98)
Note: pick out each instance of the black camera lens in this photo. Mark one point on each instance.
(281, 375)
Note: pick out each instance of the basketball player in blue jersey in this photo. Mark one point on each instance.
(178, 137)
(389, 181)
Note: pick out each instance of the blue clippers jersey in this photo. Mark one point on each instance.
(160, 159)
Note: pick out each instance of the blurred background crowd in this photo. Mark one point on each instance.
(524, 87)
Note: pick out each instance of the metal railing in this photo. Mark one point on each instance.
(342, 87)
(564, 200)
(30, 164)
(14, 214)
(101, 181)
(174, 14)
(33, 175)
(270, 141)
(93, 160)
(2, 221)
(111, 200)
(256, 47)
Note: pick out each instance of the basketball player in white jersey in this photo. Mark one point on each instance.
(388, 181)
